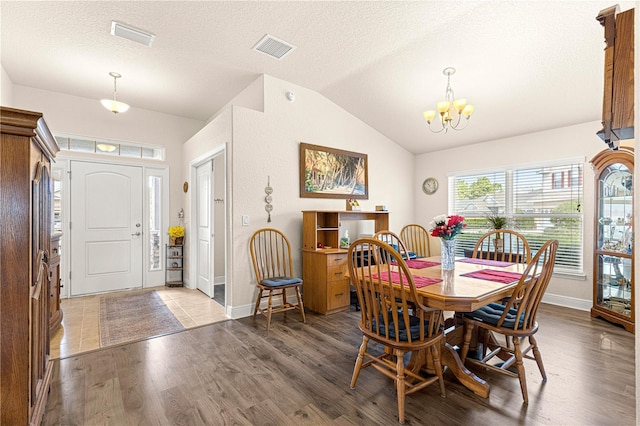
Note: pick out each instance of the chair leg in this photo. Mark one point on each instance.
(300, 305)
(435, 352)
(521, 374)
(255, 310)
(538, 357)
(468, 332)
(400, 386)
(359, 360)
(269, 309)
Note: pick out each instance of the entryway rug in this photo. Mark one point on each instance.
(135, 316)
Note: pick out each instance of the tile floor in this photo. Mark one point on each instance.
(80, 331)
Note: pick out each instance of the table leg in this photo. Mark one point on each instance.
(449, 358)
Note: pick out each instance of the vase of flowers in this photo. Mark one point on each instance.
(447, 228)
(176, 235)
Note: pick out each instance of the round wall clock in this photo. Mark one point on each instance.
(430, 185)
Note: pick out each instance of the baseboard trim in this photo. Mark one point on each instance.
(567, 302)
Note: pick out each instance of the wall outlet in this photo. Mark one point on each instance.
(245, 220)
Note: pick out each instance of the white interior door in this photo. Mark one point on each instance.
(106, 227)
(203, 226)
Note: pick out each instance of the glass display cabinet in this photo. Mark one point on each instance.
(613, 293)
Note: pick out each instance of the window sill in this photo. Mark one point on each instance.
(571, 276)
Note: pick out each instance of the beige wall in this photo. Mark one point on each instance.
(6, 88)
(567, 142)
(265, 143)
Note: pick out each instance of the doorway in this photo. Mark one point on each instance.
(208, 214)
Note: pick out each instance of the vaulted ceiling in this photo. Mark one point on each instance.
(526, 65)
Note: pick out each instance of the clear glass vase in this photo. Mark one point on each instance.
(448, 256)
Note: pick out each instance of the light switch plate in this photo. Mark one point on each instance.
(245, 220)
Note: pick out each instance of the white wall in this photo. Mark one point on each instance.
(264, 142)
(6, 88)
(87, 117)
(566, 142)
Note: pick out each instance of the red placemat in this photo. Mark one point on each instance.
(493, 275)
(421, 264)
(418, 281)
(486, 262)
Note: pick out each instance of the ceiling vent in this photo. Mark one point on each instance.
(274, 47)
(130, 33)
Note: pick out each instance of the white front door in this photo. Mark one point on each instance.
(106, 227)
(203, 228)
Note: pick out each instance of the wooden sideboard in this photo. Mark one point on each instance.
(325, 286)
(26, 151)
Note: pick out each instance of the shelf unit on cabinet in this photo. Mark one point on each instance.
(613, 266)
(174, 266)
(324, 264)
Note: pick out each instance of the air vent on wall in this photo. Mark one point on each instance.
(130, 33)
(274, 47)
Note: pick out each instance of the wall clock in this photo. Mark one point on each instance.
(430, 185)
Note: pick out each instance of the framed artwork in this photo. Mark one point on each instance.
(332, 173)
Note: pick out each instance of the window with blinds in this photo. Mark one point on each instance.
(541, 202)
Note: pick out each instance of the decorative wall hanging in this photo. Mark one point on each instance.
(268, 190)
(332, 173)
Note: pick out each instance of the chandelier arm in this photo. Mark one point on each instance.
(466, 123)
(443, 129)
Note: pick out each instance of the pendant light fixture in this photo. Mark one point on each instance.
(114, 105)
(451, 110)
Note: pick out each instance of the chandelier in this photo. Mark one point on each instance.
(451, 110)
(114, 105)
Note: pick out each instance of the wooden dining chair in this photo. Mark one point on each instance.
(394, 241)
(272, 264)
(416, 238)
(385, 290)
(516, 320)
(503, 245)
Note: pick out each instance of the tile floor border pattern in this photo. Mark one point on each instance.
(80, 329)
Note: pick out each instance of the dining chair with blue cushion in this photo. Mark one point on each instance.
(392, 314)
(273, 267)
(516, 320)
(416, 238)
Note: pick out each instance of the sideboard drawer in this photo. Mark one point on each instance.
(338, 294)
(336, 273)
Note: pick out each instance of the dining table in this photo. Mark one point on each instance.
(472, 284)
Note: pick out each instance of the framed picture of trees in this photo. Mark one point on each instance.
(332, 173)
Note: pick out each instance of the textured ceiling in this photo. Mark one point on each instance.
(526, 65)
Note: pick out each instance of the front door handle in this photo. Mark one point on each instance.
(137, 234)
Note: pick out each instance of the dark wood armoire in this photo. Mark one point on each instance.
(27, 149)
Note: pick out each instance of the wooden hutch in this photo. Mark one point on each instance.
(27, 149)
(324, 264)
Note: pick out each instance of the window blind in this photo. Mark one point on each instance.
(541, 202)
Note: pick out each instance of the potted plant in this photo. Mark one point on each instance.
(497, 222)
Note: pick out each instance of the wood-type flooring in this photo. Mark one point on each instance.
(234, 372)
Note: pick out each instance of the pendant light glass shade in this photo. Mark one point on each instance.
(114, 105)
